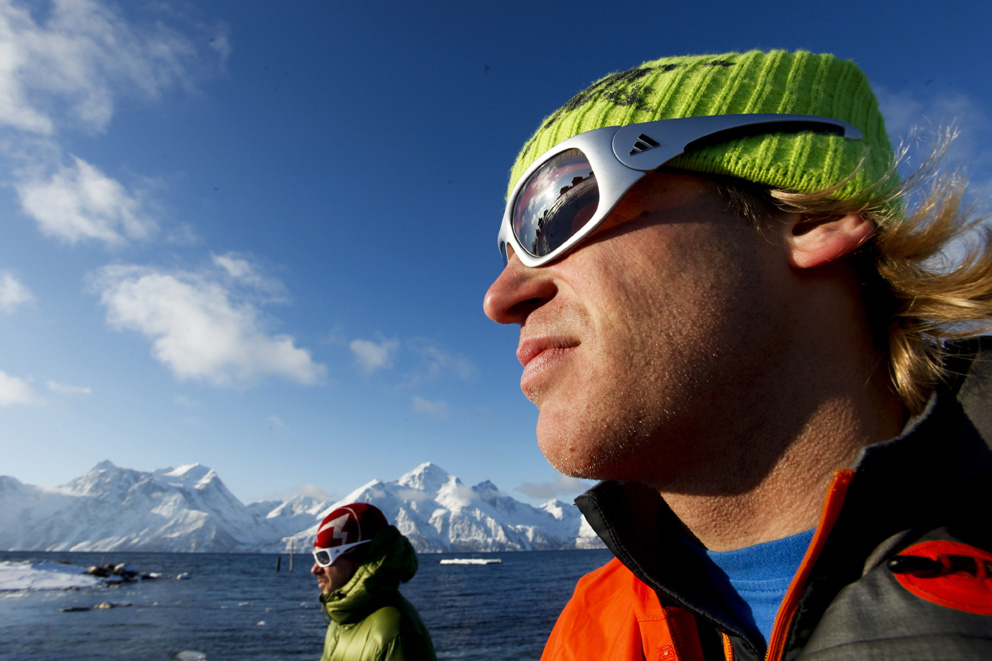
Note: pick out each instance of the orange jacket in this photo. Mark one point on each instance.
(613, 615)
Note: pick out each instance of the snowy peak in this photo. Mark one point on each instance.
(426, 477)
(307, 505)
(454, 495)
(486, 489)
(112, 508)
(556, 508)
(189, 475)
(103, 478)
(10, 483)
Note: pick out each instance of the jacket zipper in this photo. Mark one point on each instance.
(828, 516)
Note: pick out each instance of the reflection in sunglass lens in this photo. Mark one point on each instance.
(323, 558)
(557, 200)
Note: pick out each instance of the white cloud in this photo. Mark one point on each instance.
(435, 361)
(80, 203)
(242, 269)
(13, 293)
(916, 121)
(905, 112)
(199, 328)
(459, 493)
(438, 360)
(429, 362)
(562, 487)
(372, 356)
(15, 391)
(433, 409)
(237, 267)
(69, 391)
(76, 57)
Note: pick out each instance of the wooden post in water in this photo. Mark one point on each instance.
(292, 548)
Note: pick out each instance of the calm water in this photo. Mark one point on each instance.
(237, 606)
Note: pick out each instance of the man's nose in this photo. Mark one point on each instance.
(517, 292)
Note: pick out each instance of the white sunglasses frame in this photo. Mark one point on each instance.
(621, 155)
(336, 551)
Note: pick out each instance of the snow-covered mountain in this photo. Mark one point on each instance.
(111, 508)
(438, 513)
(189, 509)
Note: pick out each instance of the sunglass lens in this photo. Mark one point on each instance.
(323, 558)
(555, 203)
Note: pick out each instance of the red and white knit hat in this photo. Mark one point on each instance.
(346, 528)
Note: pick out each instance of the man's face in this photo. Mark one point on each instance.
(644, 347)
(333, 578)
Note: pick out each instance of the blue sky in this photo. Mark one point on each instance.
(256, 235)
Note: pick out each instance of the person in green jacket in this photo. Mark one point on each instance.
(359, 562)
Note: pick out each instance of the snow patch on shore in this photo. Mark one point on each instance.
(31, 575)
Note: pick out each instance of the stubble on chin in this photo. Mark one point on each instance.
(594, 446)
(533, 395)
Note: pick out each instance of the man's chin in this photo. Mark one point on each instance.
(571, 458)
(561, 448)
(570, 465)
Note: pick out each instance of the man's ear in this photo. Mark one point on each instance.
(811, 244)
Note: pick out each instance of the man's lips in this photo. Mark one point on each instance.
(530, 349)
(538, 355)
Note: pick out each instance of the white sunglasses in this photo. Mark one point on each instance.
(326, 557)
(574, 186)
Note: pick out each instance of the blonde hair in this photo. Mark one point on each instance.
(916, 296)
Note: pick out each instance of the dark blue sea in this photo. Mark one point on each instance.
(237, 606)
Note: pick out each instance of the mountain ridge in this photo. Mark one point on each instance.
(189, 509)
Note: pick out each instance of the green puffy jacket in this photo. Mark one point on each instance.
(370, 619)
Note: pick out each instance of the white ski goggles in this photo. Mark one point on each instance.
(574, 186)
(326, 557)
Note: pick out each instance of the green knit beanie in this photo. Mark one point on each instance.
(753, 82)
